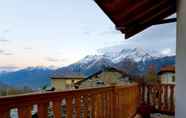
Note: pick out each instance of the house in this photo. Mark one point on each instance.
(108, 76)
(65, 82)
(167, 75)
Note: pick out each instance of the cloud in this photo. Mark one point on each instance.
(3, 40)
(7, 53)
(3, 52)
(28, 48)
(167, 51)
(8, 68)
(51, 59)
(3, 35)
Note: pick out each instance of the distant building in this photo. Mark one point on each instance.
(167, 75)
(105, 77)
(65, 82)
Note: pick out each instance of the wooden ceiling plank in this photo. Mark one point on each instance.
(146, 20)
(120, 16)
(132, 30)
(158, 6)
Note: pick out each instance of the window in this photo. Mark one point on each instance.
(73, 81)
(173, 78)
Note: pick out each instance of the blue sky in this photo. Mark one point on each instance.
(60, 32)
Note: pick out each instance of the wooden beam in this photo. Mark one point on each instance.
(138, 27)
(124, 14)
(148, 13)
(170, 20)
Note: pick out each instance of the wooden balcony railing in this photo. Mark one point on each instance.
(104, 102)
(160, 96)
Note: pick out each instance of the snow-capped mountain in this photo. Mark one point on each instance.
(116, 58)
(136, 54)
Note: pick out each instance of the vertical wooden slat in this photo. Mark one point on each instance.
(159, 96)
(85, 106)
(57, 108)
(110, 104)
(93, 109)
(43, 110)
(25, 111)
(107, 102)
(103, 108)
(114, 102)
(153, 95)
(148, 94)
(166, 98)
(102, 105)
(172, 109)
(4, 112)
(143, 93)
(98, 106)
(69, 106)
(78, 106)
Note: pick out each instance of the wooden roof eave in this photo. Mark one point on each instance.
(136, 15)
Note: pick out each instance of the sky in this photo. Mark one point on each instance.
(56, 33)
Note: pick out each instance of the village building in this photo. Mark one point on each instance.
(105, 77)
(167, 75)
(65, 82)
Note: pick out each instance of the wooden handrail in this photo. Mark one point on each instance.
(103, 102)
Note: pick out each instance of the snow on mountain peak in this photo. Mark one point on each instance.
(137, 54)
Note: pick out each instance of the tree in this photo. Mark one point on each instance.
(151, 75)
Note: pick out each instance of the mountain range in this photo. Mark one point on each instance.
(133, 60)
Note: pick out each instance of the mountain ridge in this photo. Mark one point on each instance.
(36, 77)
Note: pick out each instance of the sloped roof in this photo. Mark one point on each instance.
(110, 69)
(133, 16)
(168, 68)
(69, 77)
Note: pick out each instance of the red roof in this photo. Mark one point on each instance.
(133, 16)
(168, 68)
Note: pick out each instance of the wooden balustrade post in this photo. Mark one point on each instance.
(166, 98)
(153, 89)
(93, 104)
(98, 106)
(148, 94)
(43, 110)
(78, 106)
(110, 104)
(57, 108)
(69, 106)
(85, 106)
(25, 111)
(159, 96)
(4, 112)
(114, 102)
(107, 113)
(172, 107)
(143, 93)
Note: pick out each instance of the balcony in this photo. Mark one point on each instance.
(104, 102)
